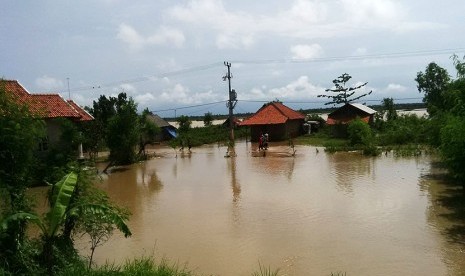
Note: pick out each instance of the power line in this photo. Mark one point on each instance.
(273, 61)
(358, 57)
(267, 101)
(146, 78)
(185, 107)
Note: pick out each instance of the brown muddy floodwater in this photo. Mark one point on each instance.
(311, 214)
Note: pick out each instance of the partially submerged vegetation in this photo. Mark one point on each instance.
(77, 207)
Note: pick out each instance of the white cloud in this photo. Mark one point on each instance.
(126, 88)
(395, 87)
(130, 36)
(49, 83)
(303, 19)
(163, 36)
(361, 51)
(300, 89)
(303, 51)
(179, 94)
(144, 99)
(167, 35)
(225, 41)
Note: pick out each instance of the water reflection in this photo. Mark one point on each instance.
(446, 214)
(223, 215)
(236, 187)
(348, 168)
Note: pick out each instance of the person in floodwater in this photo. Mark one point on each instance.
(265, 141)
(260, 142)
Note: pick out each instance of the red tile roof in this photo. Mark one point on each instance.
(45, 105)
(273, 113)
(84, 115)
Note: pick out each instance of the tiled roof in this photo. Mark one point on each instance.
(84, 115)
(272, 113)
(45, 105)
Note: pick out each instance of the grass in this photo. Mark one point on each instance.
(319, 139)
(265, 271)
(138, 267)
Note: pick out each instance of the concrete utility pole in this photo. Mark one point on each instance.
(230, 104)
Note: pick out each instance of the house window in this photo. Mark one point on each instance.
(43, 144)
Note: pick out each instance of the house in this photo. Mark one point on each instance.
(341, 117)
(167, 131)
(236, 122)
(349, 112)
(47, 107)
(276, 119)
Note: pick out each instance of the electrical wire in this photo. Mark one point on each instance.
(272, 61)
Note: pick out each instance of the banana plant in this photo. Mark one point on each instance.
(55, 218)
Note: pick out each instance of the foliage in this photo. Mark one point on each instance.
(405, 129)
(206, 135)
(359, 133)
(184, 123)
(96, 132)
(208, 119)
(148, 131)
(20, 133)
(265, 271)
(453, 146)
(388, 107)
(459, 66)
(433, 83)
(61, 209)
(342, 94)
(123, 131)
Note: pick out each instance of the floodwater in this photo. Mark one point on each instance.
(311, 214)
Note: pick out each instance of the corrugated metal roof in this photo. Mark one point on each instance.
(157, 120)
(363, 108)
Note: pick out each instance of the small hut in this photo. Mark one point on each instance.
(167, 131)
(341, 117)
(276, 119)
(349, 112)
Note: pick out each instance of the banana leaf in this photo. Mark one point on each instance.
(61, 197)
(19, 217)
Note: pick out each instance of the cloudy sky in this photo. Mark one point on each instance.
(170, 54)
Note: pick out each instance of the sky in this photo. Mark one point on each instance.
(169, 55)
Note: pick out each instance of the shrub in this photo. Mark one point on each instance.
(453, 146)
(359, 133)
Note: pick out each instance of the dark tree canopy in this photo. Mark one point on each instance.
(433, 82)
(341, 94)
(184, 123)
(208, 119)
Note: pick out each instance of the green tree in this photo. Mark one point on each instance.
(459, 66)
(433, 82)
(453, 146)
(123, 131)
(60, 210)
(184, 123)
(389, 108)
(20, 134)
(208, 119)
(96, 132)
(359, 133)
(148, 131)
(340, 93)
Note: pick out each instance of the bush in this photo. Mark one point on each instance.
(453, 146)
(405, 129)
(359, 133)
